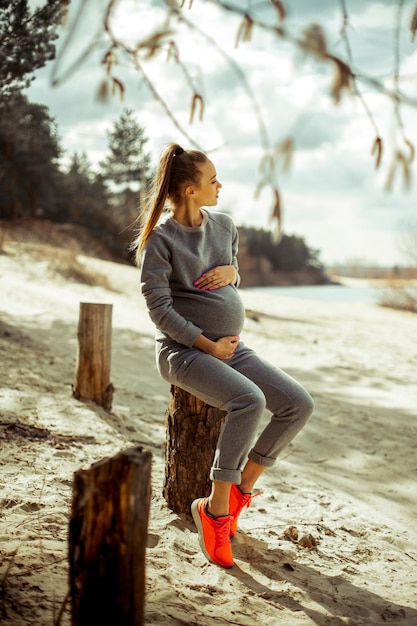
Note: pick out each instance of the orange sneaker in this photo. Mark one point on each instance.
(214, 534)
(238, 501)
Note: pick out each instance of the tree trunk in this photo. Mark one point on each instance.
(92, 374)
(193, 429)
(107, 540)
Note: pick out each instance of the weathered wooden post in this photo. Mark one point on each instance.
(107, 540)
(92, 373)
(193, 428)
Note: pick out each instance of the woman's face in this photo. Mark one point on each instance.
(207, 192)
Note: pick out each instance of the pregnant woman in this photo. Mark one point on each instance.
(189, 276)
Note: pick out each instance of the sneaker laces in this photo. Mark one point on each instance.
(247, 499)
(223, 532)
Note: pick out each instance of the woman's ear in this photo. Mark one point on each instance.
(189, 191)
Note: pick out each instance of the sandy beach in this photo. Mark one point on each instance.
(348, 482)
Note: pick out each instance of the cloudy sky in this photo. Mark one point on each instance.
(332, 195)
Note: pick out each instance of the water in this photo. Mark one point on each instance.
(325, 293)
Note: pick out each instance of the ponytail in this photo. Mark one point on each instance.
(176, 168)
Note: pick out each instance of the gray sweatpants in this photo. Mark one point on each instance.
(243, 386)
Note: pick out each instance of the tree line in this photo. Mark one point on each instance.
(106, 201)
(34, 183)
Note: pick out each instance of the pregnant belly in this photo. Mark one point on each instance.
(218, 313)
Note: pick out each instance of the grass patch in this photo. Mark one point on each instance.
(67, 265)
(400, 297)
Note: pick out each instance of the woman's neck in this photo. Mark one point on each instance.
(188, 216)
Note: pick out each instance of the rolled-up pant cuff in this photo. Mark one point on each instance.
(263, 461)
(225, 475)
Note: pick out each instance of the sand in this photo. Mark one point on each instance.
(347, 483)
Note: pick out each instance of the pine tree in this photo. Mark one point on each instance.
(85, 193)
(127, 165)
(26, 40)
(29, 151)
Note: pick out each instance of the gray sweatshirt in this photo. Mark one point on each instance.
(174, 257)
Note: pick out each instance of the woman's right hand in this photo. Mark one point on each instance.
(224, 348)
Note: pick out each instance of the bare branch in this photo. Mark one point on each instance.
(312, 42)
(263, 133)
(57, 80)
(166, 108)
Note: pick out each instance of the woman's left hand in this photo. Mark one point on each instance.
(219, 276)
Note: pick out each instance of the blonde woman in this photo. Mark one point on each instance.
(189, 277)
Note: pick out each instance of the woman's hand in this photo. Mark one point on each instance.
(223, 349)
(219, 276)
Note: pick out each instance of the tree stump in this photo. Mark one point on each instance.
(193, 428)
(107, 540)
(92, 373)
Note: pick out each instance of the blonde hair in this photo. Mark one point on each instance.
(177, 168)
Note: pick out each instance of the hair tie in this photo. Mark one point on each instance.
(178, 151)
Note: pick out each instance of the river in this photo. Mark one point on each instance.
(326, 293)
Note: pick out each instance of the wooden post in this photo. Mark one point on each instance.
(92, 373)
(107, 540)
(193, 428)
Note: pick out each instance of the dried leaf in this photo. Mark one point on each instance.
(197, 100)
(154, 42)
(405, 168)
(285, 151)
(102, 94)
(109, 60)
(344, 26)
(63, 6)
(413, 24)
(377, 149)
(244, 32)
(279, 5)
(391, 175)
(173, 52)
(412, 151)
(399, 160)
(276, 216)
(266, 167)
(341, 80)
(116, 83)
(314, 41)
(258, 189)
